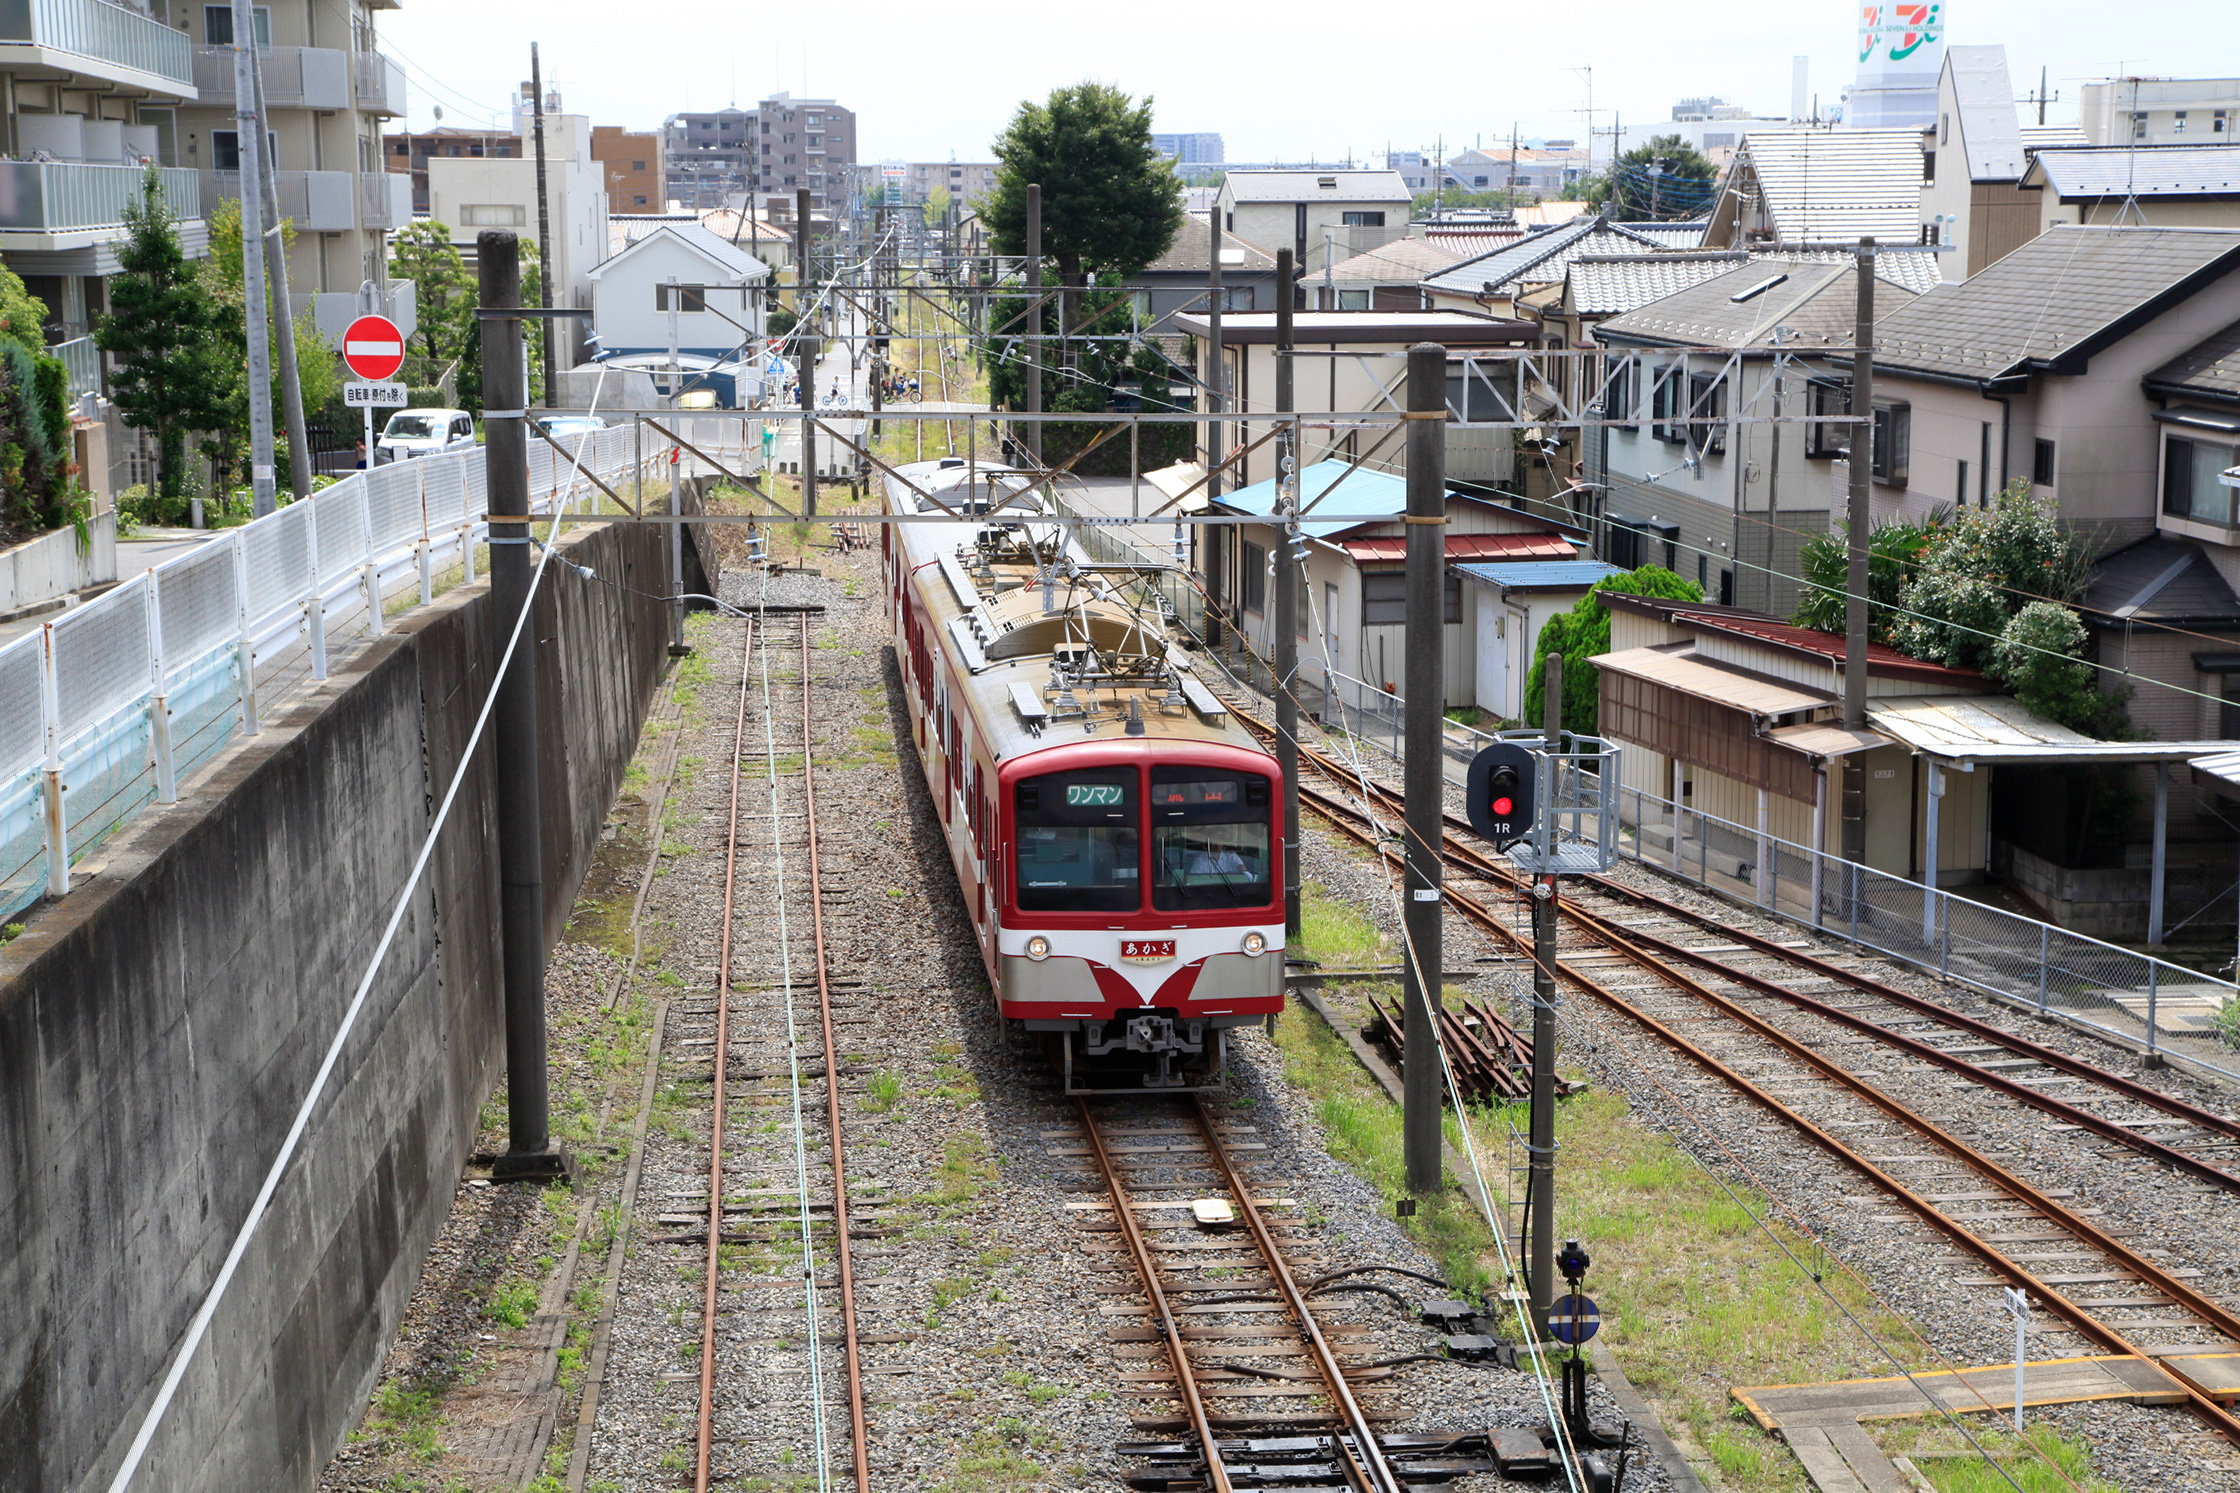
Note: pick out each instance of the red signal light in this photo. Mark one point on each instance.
(1503, 806)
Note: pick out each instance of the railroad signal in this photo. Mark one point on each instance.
(1500, 793)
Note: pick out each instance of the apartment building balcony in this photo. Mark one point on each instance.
(54, 205)
(83, 361)
(94, 39)
(380, 85)
(315, 201)
(385, 200)
(294, 77)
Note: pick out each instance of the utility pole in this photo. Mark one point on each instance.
(1858, 530)
(530, 1154)
(1214, 360)
(544, 221)
(1288, 581)
(677, 648)
(1032, 275)
(249, 131)
(1421, 779)
(1540, 1176)
(283, 311)
(805, 346)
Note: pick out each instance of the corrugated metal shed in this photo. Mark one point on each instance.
(2137, 171)
(1539, 575)
(1996, 728)
(2051, 303)
(1690, 675)
(1834, 184)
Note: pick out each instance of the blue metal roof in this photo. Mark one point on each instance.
(1366, 491)
(1539, 574)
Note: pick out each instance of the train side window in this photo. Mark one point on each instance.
(1077, 841)
(1210, 838)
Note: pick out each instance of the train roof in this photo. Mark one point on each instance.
(1058, 649)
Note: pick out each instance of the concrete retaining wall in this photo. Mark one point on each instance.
(51, 566)
(159, 1026)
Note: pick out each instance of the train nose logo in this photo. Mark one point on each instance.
(1146, 950)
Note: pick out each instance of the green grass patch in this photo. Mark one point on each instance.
(513, 1303)
(1336, 934)
(2041, 1460)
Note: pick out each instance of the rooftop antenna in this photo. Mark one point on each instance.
(2130, 166)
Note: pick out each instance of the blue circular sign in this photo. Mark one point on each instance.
(1574, 1319)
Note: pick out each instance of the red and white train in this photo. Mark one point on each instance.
(1112, 827)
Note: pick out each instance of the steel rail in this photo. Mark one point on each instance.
(1461, 852)
(2075, 1313)
(1170, 1331)
(704, 1445)
(1364, 1466)
(854, 1356)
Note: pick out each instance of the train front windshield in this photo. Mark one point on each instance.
(1079, 845)
(1209, 840)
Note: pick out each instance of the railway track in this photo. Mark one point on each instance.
(720, 1200)
(1756, 1034)
(1271, 1392)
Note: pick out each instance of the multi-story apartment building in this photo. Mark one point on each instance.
(1202, 149)
(92, 96)
(327, 90)
(633, 165)
(2161, 111)
(722, 158)
(411, 153)
(965, 180)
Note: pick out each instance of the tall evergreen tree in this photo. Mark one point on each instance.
(425, 255)
(161, 331)
(1110, 202)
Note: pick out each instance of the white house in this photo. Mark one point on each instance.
(473, 193)
(1509, 601)
(718, 310)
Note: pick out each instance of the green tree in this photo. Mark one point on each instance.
(23, 316)
(224, 278)
(425, 255)
(1583, 634)
(162, 331)
(1979, 569)
(1893, 550)
(1110, 203)
(2039, 655)
(1666, 178)
(937, 206)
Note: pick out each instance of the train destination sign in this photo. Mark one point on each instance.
(1095, 795)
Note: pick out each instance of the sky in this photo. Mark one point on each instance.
(936, 81)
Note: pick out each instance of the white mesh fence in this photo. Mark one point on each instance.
(185, 632)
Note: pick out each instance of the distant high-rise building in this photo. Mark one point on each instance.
(727, 156)
(1190, 150)
(1901, 55)
(2161, 111)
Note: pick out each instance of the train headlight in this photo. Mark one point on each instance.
(1256, 943)
(1038, 948)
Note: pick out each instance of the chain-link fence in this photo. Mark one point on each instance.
(104, 709)
(2165, 1007)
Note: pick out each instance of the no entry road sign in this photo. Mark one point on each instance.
(374, 348)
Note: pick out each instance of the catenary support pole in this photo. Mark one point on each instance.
(677, 648)
(514, 735)
(1421, 775)
(1290, 581)
(1216, 365)
(283, 313)
(805, 341)
(249, 131)
(544, 221)
(1858, 524)
(1540, 1179)
(1031, 275)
